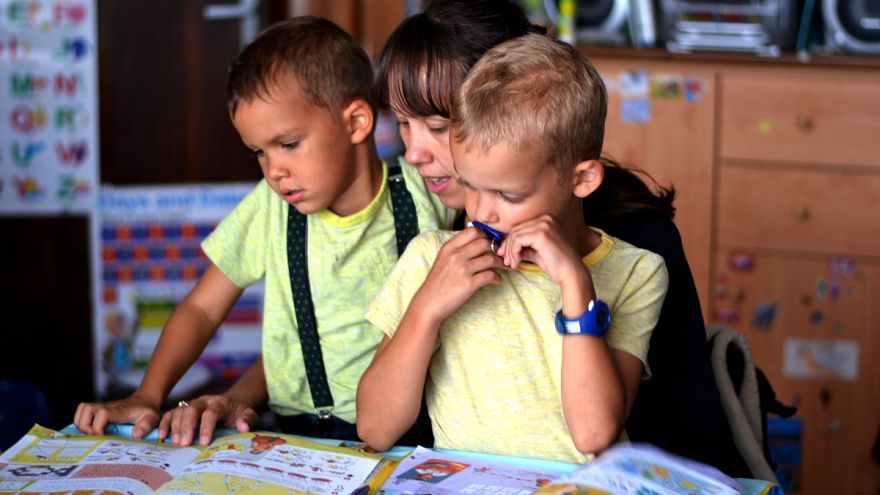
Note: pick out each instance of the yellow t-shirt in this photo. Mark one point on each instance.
(348, 258)
(495, 378)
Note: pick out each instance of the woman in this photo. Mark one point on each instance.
(419, 70)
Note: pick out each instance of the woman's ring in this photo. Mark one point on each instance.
(183, 403)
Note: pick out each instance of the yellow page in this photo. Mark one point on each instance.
(47, 461)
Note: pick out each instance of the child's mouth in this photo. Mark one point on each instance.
(293, 196)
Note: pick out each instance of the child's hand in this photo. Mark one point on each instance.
(463, 265)
(207, 411)
(91, 418)
(541, 241)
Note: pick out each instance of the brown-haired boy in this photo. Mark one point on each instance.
(321, 220)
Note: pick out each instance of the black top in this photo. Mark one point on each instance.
(679, 408)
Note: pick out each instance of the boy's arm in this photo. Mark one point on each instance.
(233, 409)
(594, 394)
(390, 391)
(190, 328)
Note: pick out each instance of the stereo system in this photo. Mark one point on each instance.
(765, 27)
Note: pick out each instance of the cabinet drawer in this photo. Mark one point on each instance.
(815, 211)
(826, 121)
(839, 413)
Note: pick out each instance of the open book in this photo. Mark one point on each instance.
(46, 461)
(623, 469)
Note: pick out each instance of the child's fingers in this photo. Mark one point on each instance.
(465, 236)
(190, 417)
(180, 434)
(208, 423)
(142, 426)
(83, 418)
(99, 421)
(164, 423)
(242, 425)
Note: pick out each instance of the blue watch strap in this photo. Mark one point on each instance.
(595, 321)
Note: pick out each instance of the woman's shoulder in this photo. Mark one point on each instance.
(648, 230)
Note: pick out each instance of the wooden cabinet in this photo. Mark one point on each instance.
(780, 162)
(672, 140)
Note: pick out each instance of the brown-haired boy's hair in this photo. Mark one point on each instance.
(538, 95)
(330, 66)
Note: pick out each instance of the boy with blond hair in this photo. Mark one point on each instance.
(320, 229)
(535, 348)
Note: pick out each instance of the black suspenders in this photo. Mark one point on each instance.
(406, 226)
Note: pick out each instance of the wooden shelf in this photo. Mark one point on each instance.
(729, 58)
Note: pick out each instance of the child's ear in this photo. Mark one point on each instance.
(587, 176)
(358, 117)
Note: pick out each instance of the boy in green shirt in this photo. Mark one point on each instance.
(321, 221)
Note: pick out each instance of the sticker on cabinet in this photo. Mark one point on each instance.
(764, 315)
(666, 86)
(635, 111)
(818, 358)
(633, 84)
(741, 262)
(694, 89)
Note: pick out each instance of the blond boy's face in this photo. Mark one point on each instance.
(305, 154)
(504, 187)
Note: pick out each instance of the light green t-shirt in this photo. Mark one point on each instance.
(495, 377)
(348, 258)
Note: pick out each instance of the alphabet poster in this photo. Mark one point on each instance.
(48, 106)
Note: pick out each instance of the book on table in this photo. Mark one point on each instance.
(45, 461)
(636, 469)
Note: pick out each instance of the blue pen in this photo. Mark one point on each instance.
(494, 236)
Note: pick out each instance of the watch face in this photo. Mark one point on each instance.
(603, 316)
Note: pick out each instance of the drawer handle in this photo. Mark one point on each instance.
(801, 214)
(805, 124)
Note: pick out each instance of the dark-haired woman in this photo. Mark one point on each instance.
(419, 70)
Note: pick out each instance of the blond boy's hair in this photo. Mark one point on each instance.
(537, 94)
(331, 68)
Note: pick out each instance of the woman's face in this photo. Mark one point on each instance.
(427, 149)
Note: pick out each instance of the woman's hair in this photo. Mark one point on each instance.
(428, 56)
(624, 190)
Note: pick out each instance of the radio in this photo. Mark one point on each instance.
(764, 27)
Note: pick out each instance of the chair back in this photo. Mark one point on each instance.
(21, 405)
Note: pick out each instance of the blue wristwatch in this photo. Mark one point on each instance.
(595, 321)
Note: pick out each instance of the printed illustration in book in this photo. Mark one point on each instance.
(45, 461)
(427, 471)
(623, 469)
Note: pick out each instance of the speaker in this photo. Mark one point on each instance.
(852, 25)
(601, 21)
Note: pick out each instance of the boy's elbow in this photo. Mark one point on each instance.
(595, 440)
(374, 437)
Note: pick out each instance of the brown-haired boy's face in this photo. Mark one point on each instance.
(304, 152)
